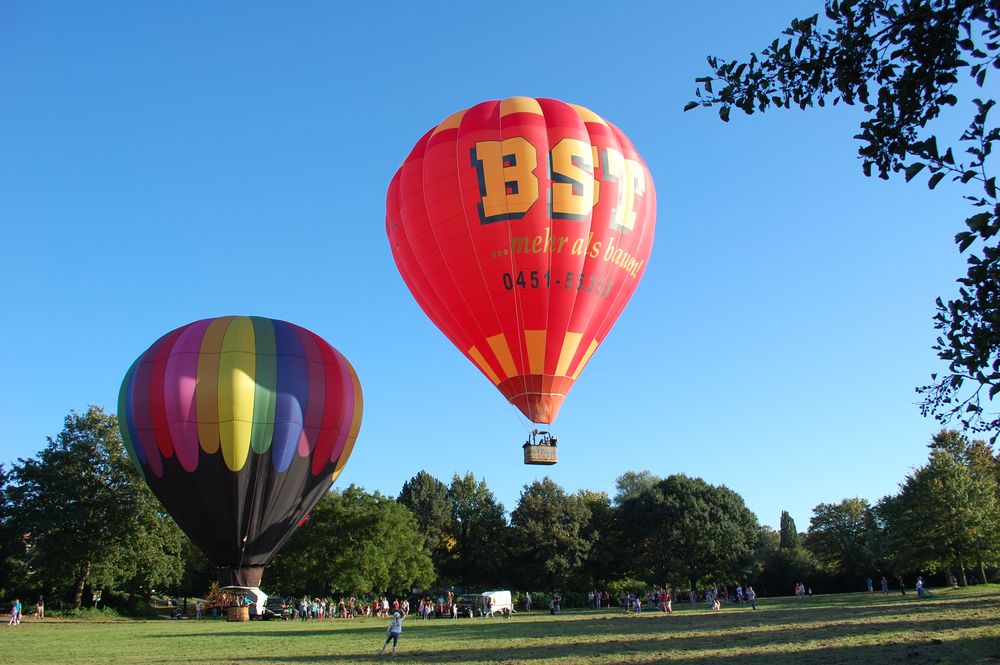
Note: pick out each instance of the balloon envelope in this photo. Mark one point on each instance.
(522, 227)
(239, 426)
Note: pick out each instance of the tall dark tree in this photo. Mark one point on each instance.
(480, 530)
(782, 568)
(789, 535)
(199, 572)
(602, 563)
(427, 499)
(686, 531)
(353, 543)
(89, 517)
(547, 540)
(12, 551)
(904, 62)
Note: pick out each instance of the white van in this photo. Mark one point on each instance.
(474, 604)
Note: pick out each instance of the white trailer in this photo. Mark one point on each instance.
(501, 601)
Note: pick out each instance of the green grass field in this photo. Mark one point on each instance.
(956, 626)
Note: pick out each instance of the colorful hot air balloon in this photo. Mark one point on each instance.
(240, 425)
(522, 227)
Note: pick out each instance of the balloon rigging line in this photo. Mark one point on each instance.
(253, 498)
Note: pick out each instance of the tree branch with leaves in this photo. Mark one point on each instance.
(903, 62)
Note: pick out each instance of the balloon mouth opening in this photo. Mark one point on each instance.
(539, 408)
(240, 576)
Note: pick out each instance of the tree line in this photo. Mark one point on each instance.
(76, 517)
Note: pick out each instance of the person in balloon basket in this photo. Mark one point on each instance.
(392, 635)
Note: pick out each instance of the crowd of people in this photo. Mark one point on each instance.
(317, 609)
(663, 599)
(446, 606)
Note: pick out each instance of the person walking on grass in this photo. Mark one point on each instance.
(395, 628)
(15, 613)
(752, 597)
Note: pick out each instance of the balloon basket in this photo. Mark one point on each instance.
(241, 613)
(546, 455)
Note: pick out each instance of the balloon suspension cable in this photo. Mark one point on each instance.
(253, 498)
(533, 432)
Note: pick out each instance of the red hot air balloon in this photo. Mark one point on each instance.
(522, 227)
(240, 425)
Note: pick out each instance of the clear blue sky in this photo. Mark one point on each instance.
(163, 162)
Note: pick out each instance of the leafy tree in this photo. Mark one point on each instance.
(427, 499)
(782, 568)
(602, 562)
(547, 539)
(632, 484)
(768, 542)
(984, 473)
(353, 543)
(943, 517)
(903, 61)
(480, 531)
(12, 568)
(89, 517)
(843, 538)
(199, 572)
(685, 530)
(789, 535)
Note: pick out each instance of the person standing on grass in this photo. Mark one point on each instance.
(752, 597)
(40, 607)
(395, 629)
(868, 583)
(15, 613)
(885, 586)
(902, 585)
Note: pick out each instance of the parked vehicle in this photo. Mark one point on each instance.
(474, 604)
(277, 607)
(470, 605)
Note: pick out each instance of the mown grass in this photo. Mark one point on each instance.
(955, 626)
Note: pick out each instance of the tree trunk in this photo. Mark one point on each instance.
(982, 573)
(961, 568)
(80, 582)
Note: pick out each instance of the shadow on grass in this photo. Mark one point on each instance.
(979, 651)
(887, 631)
(782, 624)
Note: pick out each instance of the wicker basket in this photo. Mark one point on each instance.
(540, 454)
(241, 613)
